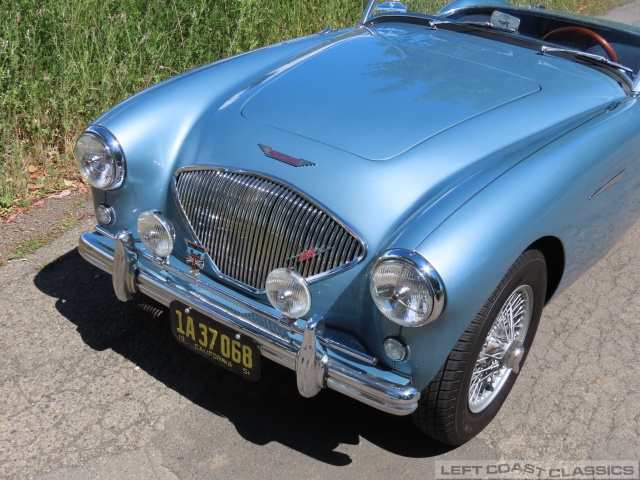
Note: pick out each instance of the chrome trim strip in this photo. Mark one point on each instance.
(635, 91)
(367, 12)
(610, 183)
(363, 357)
(545, 49)
(326, 370)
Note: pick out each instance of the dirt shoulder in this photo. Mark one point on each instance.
(41, 220)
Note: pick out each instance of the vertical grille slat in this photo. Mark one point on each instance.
(286, 249)
(204, 184)
(224, 250)
(247, 204)
(213, 246)
(321, 233)
(257, 232)
(214, 225)
(249, 224)
(268, 243)
(251, 244)
(276, 234)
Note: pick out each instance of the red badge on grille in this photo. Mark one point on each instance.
(308, 254)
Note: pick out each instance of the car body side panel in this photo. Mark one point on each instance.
(474, 248)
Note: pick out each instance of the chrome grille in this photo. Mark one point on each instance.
(249, 225)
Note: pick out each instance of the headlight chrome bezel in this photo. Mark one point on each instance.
(112, 151)
(432, 282)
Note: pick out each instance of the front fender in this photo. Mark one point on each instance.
(549, 194)
(159, 125)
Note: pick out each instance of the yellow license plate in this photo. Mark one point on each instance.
(214, 341)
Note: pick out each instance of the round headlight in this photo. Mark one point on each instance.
(156, 232)
(288, 292)
(100, 159)
(406, 288)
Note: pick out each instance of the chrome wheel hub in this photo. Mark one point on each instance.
(513, 358)
(503, 350)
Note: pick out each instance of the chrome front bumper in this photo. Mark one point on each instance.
(301, 345)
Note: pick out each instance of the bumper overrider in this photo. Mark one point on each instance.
(301, 345)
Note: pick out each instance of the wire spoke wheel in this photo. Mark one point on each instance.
(495, 362)
(475, 380)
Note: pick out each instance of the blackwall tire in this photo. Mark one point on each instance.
(471, 386)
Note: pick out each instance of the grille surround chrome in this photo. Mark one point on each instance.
(258, 243)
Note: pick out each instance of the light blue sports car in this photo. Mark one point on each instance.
(384, 209)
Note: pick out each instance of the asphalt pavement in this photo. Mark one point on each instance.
(628, 13)
(92, 388)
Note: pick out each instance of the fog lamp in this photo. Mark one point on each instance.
(395, 349)
(105, 214)
(156, 232)
(288, 292)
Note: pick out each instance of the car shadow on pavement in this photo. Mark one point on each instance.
(270, 410)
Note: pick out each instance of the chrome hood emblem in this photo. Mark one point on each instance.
(294, 162)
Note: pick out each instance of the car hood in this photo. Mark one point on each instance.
(376, 98)
(442, 109)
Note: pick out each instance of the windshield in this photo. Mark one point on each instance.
(612, 48)
(417, 7)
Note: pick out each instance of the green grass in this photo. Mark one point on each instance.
(63, 62)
